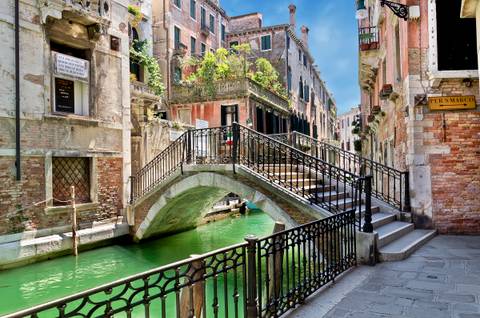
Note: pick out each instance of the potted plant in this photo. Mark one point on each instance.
(136, 15)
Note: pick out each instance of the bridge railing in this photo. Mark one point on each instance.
(296, 172)
(258, 278)
(388, 184)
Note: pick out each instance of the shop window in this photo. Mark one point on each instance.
(266, 42)
(456, 38)
(71, 79)
(68, 172)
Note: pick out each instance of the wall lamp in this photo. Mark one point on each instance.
(400, 10)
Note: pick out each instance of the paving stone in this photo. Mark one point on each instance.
(432, 277)
(421, 312)
(338, 313)
(409, 293)
(466, 315)
(409, 275)
(456, 298)
(468, 288)
(436, 287)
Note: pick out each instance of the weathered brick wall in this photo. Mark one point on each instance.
(245, 22)
(31, 189)
(455, 174)
(109, 187)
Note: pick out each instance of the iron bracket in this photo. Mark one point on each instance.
(399, 9)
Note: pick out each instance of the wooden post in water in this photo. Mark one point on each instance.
(74, 224)
(275, 263)
(192, 298)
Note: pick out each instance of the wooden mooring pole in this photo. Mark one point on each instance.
(192, 298)
(276, 262)
(74, 224)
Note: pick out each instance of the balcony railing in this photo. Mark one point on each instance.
(227, 89)
(368, 38)
(205, 29)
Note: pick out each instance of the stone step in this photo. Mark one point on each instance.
(392, 231)
(381, 218)
(280, 168)
(329, 195)
(406, 245)
(320, 188)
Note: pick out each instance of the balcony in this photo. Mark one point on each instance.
(205, 30)
(241, 88)
(180, 49)
(368, 39)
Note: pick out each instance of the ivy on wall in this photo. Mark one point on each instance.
(139, 53)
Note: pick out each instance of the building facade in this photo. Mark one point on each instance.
(346, 124)
(313, 106)
(74, 106)
(422, 74)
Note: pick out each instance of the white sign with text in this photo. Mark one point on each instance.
(71, 66)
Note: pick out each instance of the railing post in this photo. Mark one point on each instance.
(236, 143)
(294, 139)
(406, 205)
(188, 147)
(132, 178)
(252, 311)
(367, 225)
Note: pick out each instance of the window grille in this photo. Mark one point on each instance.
(68, 172)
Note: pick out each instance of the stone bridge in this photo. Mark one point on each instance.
(180, 202)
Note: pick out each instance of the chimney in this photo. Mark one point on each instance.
(305, 31)
(293, 9)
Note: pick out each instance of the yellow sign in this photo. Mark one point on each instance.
(452, 102)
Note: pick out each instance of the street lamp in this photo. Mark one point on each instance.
(399, 9)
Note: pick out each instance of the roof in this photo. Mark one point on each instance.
(245, 15)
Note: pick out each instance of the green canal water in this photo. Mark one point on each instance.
(45, 281)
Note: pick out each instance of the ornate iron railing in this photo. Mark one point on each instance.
(388, 184)
(302, 175)
(259, 278)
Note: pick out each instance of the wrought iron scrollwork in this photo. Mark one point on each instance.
(399, 9)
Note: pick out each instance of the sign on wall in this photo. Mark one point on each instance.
(71, 66)
(452, 102)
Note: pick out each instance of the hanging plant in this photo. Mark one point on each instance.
(137, 15)
(139, 53)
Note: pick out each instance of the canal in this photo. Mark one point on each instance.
(38, 283)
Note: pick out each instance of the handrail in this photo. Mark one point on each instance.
(247, 279)
(388, 184)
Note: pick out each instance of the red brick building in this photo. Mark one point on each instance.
(405, 65)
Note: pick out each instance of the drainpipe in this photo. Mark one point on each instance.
(167, 31)
(17, 90)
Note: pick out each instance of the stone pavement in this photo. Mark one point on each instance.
(442, 279)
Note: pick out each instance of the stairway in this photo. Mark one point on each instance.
(397, 239)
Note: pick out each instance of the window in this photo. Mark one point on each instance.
(223, 33)
(398, 62)
(177, 35)
(306, 94)
(193, 45)
(288, 42)
(456, 38)
(300, 88)
(299, 55)
(185, 116)
(266, 42)
(178, 3)
(203, 17)
(229, 115)
(233, 43)
(304, 60)
(68, 172)
(212, 23)
(203, 49)
(177, 75)
(193, 9)
(289, 79)
(71, 79)
(135, 68)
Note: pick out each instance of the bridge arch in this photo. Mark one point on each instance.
(181, 205)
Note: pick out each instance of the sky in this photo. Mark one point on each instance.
(332, 40)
